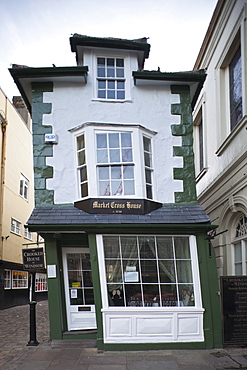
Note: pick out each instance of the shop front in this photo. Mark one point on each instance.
(132, 282)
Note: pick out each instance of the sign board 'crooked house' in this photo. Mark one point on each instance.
(127, 258)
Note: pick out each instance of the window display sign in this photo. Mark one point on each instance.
(234, 304)
(33, 259)
(73, 293)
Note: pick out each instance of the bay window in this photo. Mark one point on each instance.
(149, 271)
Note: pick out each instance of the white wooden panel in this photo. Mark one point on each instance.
(154, 325)
(119, 326)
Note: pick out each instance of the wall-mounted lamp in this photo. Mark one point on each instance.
(5, 237)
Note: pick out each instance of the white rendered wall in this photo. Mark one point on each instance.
(149, 106)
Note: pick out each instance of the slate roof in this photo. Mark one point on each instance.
(69, 215)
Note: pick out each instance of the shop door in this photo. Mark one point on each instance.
(78, 289)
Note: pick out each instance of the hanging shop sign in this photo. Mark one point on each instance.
(33, 259)
(122, 206)
(234, 306)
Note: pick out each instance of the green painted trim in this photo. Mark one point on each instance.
(185, 130)
(69, 336)
(113, 43)
(152, 346)
(97, 288)
(41, 150)
(210, 298)
(170, 76)
(188, 229)
(54, 290)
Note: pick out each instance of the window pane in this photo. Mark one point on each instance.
(149, 271)
(126, 140)
(120, 85)
(103, 173)
(238, 269)
(129, 247)
(102, 84)
(120, 94)
(133, 295)
(164, 247)
(114, 155)
(87, 279)
(115, 294)
(119, 62)
(167, 271)
(120, 72)
(117, 187)
(89, 297)
(127, 155)
(110, 62)
(110, 94)
(147, 247)
(81, 158)
(104, 188)
(101, 72)
(111, 246)
(148, 175)
(182, 249)
(184, 271)
(83, 174)
(114, 140)
(110, 72)
(73, 261)
(102, 156)
(116, 172)
(147, 144)
(128, 172)
(151, 295)
(186, 295)
(235, 73)
(111, 85)
(129, 187)
(113, 271)
(169, 295)
(101, 61)
(147, 159)
(101, 140)
(149, 191)
(84, 190)
(238, 252)
(102, 94)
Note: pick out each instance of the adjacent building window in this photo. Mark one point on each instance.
(15, 226)
(149, 271)
(7, 279)
(110, 78)
(235, 87)
(148, 166)
(19, 279)
(40, 282)
(27, 233)
(24, 183)
(81, 165)
(240, 247)
(115, 167)
(199, 143)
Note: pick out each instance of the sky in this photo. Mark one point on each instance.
(36, 32)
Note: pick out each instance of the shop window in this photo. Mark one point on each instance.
(240, 248)
(149, 271)
(40, 282)
(19, 279)
(15, 226)
(7, 279)
(24, 184)
(110, 78)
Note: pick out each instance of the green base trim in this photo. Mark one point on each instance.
(69, 336)
(153, 346)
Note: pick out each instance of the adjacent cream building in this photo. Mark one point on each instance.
(220, 128)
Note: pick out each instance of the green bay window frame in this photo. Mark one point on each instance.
(110, 78)
(150, 271)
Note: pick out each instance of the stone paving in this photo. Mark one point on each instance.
(15, 354)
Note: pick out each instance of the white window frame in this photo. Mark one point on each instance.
(7, 279)
(23, 282)
(195, 276)
(40, 282)
(118, 55)
(24, 187)
(15, 226)
(90, 131)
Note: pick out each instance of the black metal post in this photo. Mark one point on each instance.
(32, 303)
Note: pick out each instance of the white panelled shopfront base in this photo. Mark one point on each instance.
(168, 317)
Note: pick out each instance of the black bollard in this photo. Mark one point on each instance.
(33, 340)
